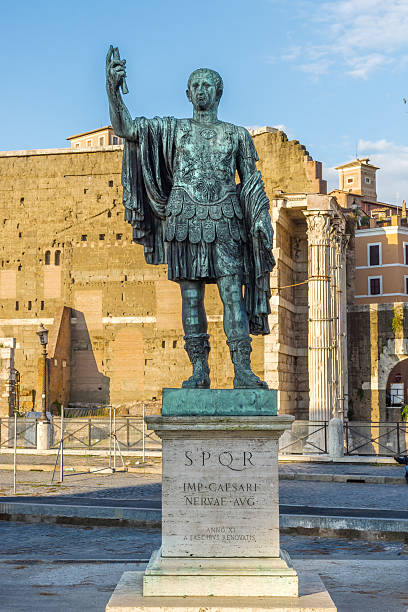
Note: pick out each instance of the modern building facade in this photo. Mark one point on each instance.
(377, 319)
(102, 137)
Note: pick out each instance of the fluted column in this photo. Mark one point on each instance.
(320, 316)
(343, 382)
(338, 309)
(334, 310)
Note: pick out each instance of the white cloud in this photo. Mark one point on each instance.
(282, 127)
(392, 176)
(361, 36)
(332, 177)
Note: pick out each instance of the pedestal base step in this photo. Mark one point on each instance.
(220, 577)
(128, 597)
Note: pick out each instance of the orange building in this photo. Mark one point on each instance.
(381, 238)
(102, 137)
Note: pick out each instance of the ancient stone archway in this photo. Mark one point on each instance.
(397, 390)
(393, 354)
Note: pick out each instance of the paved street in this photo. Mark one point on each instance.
(51, 566)
(59, 567)
(130, 485)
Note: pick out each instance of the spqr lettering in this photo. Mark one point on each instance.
(236, 462)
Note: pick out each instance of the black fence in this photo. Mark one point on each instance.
(375, 438)
(363, 438)
(91, 433)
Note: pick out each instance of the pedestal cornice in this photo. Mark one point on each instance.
(224, 425)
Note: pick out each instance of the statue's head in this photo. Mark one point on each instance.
(204, 88)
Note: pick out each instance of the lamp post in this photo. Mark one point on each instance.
(42, 334)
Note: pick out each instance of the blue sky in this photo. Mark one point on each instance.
(332, 73)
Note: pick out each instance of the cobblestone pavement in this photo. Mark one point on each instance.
(22, 541)
(341, 468)
(284, 467)
(84, 459)
(343, 495)
(130, 486)
(361, 576)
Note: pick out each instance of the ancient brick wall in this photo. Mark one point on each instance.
(286, 165)
(64, 243)
(126, 334)
(378, 341)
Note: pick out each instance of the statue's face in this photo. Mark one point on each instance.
(202, 91)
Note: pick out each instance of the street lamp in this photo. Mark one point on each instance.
(42, 334)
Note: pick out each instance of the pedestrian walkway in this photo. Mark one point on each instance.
(375, 510)
(59, 567)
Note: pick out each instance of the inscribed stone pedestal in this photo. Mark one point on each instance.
(220, 525)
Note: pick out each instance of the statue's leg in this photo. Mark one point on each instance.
(195, 333)
(237, 331)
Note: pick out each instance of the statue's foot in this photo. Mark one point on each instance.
(246, 379)
(201, 381)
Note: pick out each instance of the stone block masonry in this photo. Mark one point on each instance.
(64, 244)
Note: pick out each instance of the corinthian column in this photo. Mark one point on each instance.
(338, 313)
(320, 316)
(343, 326)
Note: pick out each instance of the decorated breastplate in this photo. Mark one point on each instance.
(204, 164)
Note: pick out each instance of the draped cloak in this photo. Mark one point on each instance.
(147, 178)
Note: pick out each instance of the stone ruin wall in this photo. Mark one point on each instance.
(124, 324)
(378, 340)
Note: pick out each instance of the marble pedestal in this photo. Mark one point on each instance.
(220, 500)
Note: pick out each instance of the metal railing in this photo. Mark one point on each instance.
(305, 438)
(89, 433)
(364, 438)
(94, 433)
(375, 438)
(26, 432)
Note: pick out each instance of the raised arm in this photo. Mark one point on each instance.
(115, 77)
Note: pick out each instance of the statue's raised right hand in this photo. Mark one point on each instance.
(115, 70)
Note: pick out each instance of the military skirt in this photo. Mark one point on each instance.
(204, 241)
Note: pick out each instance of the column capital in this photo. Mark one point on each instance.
(338, 227)
(318, 225)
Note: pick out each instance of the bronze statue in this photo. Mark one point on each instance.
(185, 208)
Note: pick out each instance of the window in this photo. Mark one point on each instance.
(57, 258)
(118, 236)
(102, 141)
(101, 236)
(163, 344)
(21, 200)
(374, 254)
(29, 304)
(115, 140)
(110, 183)
(42, 305)
(89, 143)
(84, 237)
(374, 285)
(367, 180)
(350, 180)
(17, 306)
(406, 253)
(77, 145)
(174, 343)
(47, 259)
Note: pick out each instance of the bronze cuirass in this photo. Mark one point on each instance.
(204, 164)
